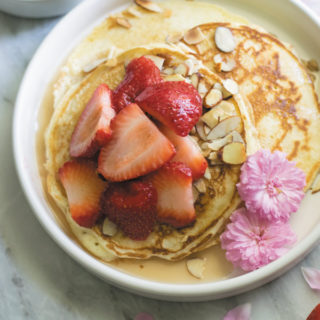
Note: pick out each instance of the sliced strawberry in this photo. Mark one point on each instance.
(132, 206)
(176, 104)
(140, 73)
(136, 147)
(173, 183)
(93, 128)
(187, 152)
(315, 314)
(83, 188)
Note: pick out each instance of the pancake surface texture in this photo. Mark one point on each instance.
(276, 104)
(279, 92)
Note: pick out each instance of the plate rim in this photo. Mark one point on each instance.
(148, 288)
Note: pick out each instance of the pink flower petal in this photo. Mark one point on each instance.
(143, 316)
(251, 241)
(271, 185)
(312, 276)
(241, 312)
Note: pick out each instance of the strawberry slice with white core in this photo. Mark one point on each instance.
(187, 152)
(173, 183)
(83, 188)
(93, 128)
(136, 147)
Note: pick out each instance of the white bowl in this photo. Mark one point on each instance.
(292, 23)
(37, 8)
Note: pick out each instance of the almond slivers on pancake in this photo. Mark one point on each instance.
(252, 84)
(277, 88)
(213, 207)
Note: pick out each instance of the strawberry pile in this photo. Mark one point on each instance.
(133, 161)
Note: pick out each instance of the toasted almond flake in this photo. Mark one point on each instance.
(192, 67)
(134, 12)
(225, 127)
(168, 71)
(109, 228)
(174, 38)
(207, 174)
(217, 144)
(92, 65)
(195, 80)
(213, 97)
(206, 129)
(195, 193)
(174, 77)
(200, 130)
(204, 146)
(228, 66)
(123, 22)
(158, 61)
(218, 86)
(185, 48)
(148, 5)
(224, 39)
(205, 153)
(196, 267)
(234, 153)
(213, 156)
(236, 137)
(231, 86)
(200, 185)
(217, 58)
(181, 69)
(202, 88)
(193, 36)
(221, 111)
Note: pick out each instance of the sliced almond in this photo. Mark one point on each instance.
(213, 156)
(217, 58)
(230, 86)
(192, 66)
(228, 66)
(123, 22)
(174, 77)
(181, 69)
(200, 185)
(234, 153)
(195, 193)
(109, 228)
(213, 98)
(236, 137)
(202, 88)
(200, 130)
(92, 65)
(206, 130)
(224, 127)
(195, 80)
(148, 5)
(224, 39)
(217, 144)
(134, 12)
(174, 38)
(221, 111)
(158, 61)
(196, 267)
(168, 71)
(193, 36)
(185, 48)
(207, 174)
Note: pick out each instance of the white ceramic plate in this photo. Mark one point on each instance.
(290, 20)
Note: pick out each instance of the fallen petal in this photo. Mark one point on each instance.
(241, 312)
(143, 316)
(312, 276)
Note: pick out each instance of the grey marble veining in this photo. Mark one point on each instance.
(39, 281)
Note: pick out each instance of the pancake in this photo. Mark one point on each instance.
(213, 207)
(280, 95)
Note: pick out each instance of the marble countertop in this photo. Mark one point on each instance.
(39, 281)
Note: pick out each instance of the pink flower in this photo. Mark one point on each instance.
(252, 242)
(271, 185)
